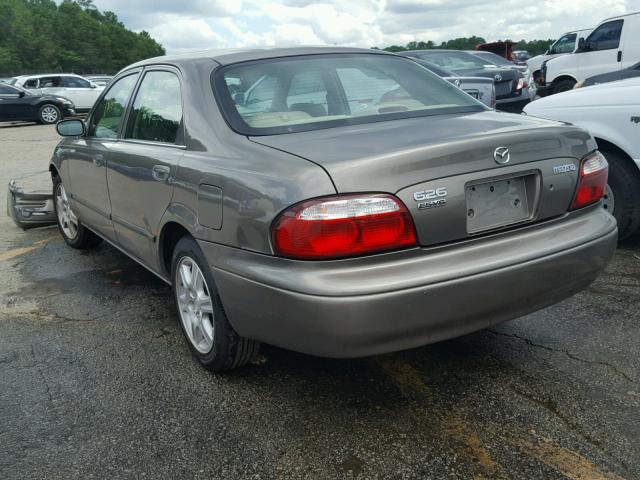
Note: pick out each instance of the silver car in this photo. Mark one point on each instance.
(334, 201)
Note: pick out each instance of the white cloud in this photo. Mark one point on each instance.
(196, 24)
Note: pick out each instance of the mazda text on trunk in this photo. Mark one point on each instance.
(334, 201)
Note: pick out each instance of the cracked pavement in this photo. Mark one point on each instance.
(97, 382)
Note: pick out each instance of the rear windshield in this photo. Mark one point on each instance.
(312, 92)
(455, 60)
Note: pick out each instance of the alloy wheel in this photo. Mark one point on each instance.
(66, 218)
(49, 114)
(195, 305)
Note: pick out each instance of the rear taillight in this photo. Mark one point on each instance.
(343, 226)
(592, 182)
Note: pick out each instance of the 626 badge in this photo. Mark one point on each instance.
(431, 198)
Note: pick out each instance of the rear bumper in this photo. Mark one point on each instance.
(383, 303)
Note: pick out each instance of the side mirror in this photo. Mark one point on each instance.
(71, 128)
(21, 94)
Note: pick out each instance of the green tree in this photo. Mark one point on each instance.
(74, 36)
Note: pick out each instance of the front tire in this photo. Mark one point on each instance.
(564, 86)
(74, 233)
(49, 114)
(211, 338)
(624, 185)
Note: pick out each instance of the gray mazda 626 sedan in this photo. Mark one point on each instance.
(339, 202)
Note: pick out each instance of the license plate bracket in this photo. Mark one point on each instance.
(498, 203)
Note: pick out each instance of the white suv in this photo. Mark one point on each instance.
(82, 92)
(613, 45)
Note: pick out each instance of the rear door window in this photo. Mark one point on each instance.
(75, 82)
(50, 82)
(108, 114)
(156, 115)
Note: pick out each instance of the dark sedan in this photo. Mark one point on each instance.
(511, 90)
(630, 72)
(19, 104)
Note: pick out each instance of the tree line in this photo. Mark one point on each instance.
(534, 47)
(74, 36)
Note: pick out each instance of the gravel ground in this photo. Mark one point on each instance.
(96, 381)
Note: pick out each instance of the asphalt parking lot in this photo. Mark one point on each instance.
(96, 381)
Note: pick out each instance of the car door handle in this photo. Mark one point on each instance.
(98, 160)
(619, 55)
(160, 173)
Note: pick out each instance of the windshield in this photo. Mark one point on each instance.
(495, 59)
(18, 87)
(455, 60)
(311, 92)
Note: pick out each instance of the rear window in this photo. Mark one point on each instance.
(304, 93)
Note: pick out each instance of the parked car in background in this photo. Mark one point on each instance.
(630, 72)
(502, 62)
(611, 112)
(19, 104)
(520, 57)
(480, 88)
(613, 45)
(100, 80)
(512, 91)
(79, 90)
(340, 202)
(567, 43)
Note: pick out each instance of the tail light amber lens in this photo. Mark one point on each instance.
(594, 171)
(343, 226)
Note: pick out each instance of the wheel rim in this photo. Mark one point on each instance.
(195, 305)
(608, 201)
(49, 114)
(66, 218)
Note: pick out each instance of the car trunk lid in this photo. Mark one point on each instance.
(430, 159)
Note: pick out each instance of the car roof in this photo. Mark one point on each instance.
(40, 75)
(229, 56)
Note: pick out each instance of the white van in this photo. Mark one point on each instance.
(613, 45)
(567, 43)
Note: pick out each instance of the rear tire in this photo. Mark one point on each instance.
(211, 338)
(564, 86)
(624, 181)
(49, 114)
(75, 234)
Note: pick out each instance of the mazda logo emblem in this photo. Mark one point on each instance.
(498, 77)
(501, 155)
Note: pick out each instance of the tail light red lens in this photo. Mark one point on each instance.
(594, 171)
(343, 226)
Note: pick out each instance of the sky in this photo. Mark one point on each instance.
(200, 24)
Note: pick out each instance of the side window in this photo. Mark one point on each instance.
(307, 93)
(7, 90)
(48, 82)
(75, 82)
(606, 36)
(262, 92)
(157, 110)
(108, 114)
(565, 44)
(31, 83)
